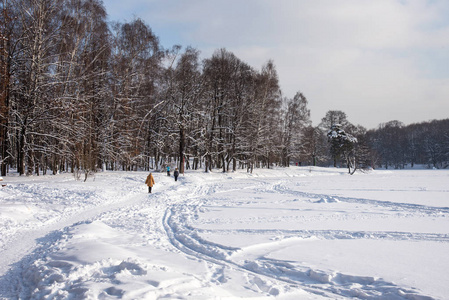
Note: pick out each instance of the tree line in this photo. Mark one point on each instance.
(391, 145)
(79, 94)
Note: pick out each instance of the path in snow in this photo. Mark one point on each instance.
(209, 235)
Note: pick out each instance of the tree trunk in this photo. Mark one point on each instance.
(4, 93)
(21, 151)
(181, 149)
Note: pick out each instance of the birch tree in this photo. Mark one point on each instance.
(136, 68)
(297, 118)
(262, 122)
(185, 97)
(34, 61)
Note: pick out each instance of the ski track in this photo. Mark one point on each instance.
(165, 220)
(185, 238)
(281, 188)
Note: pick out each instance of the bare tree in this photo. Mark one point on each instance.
(33, 76)
(185, 97)
(135, 70)
(263, 126)
(5, 76)
(297, 118)
(314, 146)
(230, 96)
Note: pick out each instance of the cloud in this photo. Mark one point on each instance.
(376, 60)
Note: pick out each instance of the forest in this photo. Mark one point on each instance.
(80, 94)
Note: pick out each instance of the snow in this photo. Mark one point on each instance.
(284, 233)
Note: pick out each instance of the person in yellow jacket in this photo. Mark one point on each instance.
(149, 182)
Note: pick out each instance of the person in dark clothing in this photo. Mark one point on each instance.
(176, 174)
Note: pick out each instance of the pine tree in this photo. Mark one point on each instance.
(342, 144)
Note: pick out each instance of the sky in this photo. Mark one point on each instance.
(377, 61)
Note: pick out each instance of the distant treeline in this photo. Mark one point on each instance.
(78, 94)
(397, 146)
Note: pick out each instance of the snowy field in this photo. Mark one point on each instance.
(295, 233)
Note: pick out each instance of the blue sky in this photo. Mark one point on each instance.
(377, 60)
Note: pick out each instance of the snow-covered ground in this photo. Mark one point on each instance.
(293, 233)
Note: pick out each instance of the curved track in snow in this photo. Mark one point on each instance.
(206, 236)
(185, 237)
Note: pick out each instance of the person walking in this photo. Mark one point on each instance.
(149, 182)
(176, 174)
(168, 170)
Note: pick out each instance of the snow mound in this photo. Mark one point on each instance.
(75, 267)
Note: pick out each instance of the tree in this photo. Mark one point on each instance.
(230, 95)
(34, 62)
(364, 155)
(5, 76)
(333, 117)
(263, 126)
(77, 94)
(392, 144)
(297, 117)
(343, 144)
(314, 146)
(92, 88)
(185, 93)
(218, 71)
(435, 143)
(136, 60)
